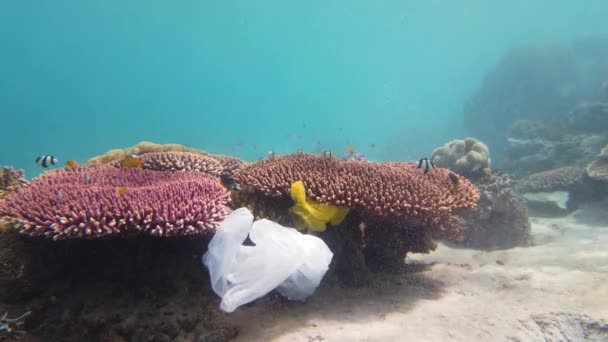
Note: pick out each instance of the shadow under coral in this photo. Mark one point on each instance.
(144, 289)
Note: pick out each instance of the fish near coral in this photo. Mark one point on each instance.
(121, 190)
(453, 181)
(132, 161)
(71, 163)
(46, 161)
(314, 216)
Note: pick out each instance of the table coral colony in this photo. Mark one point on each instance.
(95, 201)
(384, 189)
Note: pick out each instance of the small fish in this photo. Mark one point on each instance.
(59, 194)
(271, 155)
(426, 165)
(327, 154)
(132, 161)
(230, 184)
(372, 145)
(299, 153)
(350, 149)
(72, 163)
(121, 190)
(45, 161)
(453, 181)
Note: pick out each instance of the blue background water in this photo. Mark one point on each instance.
(242, 77)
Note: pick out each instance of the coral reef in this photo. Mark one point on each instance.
(597, 169)
(535, 82)
(10, 180)
(88, 202)
(534, 147)
(382, 189)
(181, 161)
(386, 241)
(587, 117)
(229, 164)
(466, 156)
(395, 208)
(565, 178)
(79, 290)
(500, 219)
(554, 192)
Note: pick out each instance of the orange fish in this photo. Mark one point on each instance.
(350, 149)
(121, 190)
(132, 161)
(72, 163)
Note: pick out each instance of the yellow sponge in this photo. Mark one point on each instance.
(314, 216)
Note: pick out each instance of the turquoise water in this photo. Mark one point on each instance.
(243, 77)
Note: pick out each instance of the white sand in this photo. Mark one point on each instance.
(463, 295)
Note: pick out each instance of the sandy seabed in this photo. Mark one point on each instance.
(555, 290)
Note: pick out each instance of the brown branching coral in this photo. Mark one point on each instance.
(597, 169)
(181, 161)
(10, 179)
(385, 189)
(229, 164)
(561, 179)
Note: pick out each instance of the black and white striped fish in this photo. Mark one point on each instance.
(46, 161)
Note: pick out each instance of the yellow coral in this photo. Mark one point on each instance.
(314, 216)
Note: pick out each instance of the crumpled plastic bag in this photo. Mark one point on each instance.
(282, 258)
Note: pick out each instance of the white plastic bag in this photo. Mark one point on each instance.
(282, 258)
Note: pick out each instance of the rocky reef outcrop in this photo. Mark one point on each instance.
(536, 82)
(500, 219)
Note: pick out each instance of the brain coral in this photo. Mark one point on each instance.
(85, 202)
(462, 156)
(379, 188)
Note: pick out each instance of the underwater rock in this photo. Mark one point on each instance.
(587, 117)
(500, 219)
(561, 326)
(527, 155)
(466, 157)
(131, 289)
